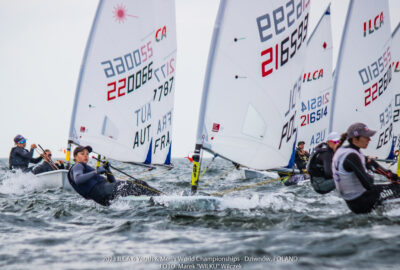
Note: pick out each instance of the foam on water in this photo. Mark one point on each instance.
(19, 183)
(268, 220)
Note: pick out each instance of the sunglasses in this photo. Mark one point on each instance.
(49, 155)
(22, 141)
(335, 142)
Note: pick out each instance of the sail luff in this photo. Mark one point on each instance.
(338, 64)
(326, 12)
(395, 30)
(210, 62)
(82, 71)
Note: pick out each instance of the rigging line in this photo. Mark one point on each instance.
(221, 193)
(218, 176)
(147, 177)
(52, 165)
(139, 184)
(133, 179)
(208, 165)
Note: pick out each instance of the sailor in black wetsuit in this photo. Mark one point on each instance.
(89, 183)
(20, 157)
(301, 157)
(352, 180)
(320, 165)
(47, 165)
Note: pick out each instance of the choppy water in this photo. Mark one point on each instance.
(268, 227)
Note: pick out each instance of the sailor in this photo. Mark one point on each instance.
(48, 165)
(320, 165)
(20, 157)
(350, 173)
(301, 157)
(89, 183)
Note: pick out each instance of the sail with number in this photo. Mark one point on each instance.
(316, 92)
(396, 85)
(253, 82)
(124, 98)
(363, 79)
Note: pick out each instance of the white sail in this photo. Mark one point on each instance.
(396, 85)
(124, 99)
(362, 84)
(253, 81)
(316, 92)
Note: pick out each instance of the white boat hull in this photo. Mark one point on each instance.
(250, 174)
(54, 179)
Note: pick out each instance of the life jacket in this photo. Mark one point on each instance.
(16, 161)
(347, 183)
(315, 167)
(84, 189)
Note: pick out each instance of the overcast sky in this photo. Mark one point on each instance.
(41, 49)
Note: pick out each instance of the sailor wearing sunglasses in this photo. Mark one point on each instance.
(20, 157)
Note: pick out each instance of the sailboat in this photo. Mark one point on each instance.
(124, 98)
(252, 84)
(362, 90)
(316, 91)
(316, 94)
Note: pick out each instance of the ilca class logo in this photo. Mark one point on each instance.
(120, 14)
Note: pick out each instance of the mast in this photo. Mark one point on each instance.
(200, 127)
(78, 88)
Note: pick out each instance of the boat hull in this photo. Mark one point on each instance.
(54, 179)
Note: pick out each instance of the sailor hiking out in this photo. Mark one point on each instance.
(350, 173)
(89, 183)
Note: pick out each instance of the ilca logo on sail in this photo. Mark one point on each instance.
(120, 14)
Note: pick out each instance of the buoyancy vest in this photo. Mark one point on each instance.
(16, 161)
(315, 167)
(84, 189)
(347, 183)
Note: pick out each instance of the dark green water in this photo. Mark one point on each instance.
(268, 227)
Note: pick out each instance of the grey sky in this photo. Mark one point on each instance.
(41, 48)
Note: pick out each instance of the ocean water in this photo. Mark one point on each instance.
(266, 227)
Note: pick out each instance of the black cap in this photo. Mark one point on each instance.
(80, 148)
(300, 142)
(359, 129)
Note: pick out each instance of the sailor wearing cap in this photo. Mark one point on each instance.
(20, 157)
(301, 156)
(320, 165)
(350, 166)
(90, 184)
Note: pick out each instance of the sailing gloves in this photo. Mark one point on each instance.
(101, 170)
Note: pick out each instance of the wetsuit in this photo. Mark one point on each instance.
(301, 159)
(20, 158)
(320, 169)
(46, 167)
(356, 185)
(91, 185)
